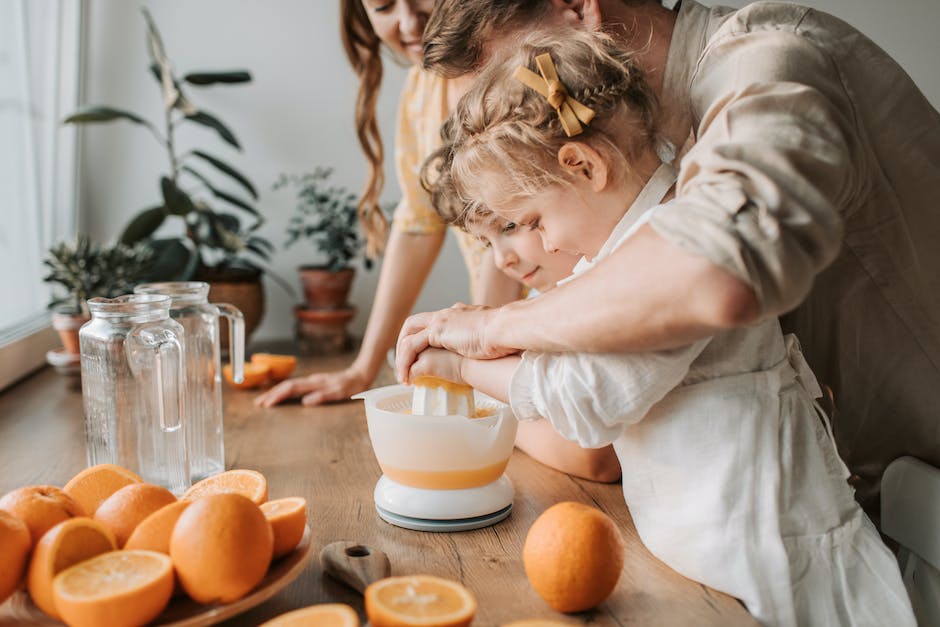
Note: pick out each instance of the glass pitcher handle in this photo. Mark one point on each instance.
(164, 370)
(236, 338)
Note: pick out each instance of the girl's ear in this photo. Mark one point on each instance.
(578, 12)
(585, 164)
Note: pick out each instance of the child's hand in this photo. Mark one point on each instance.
(437, 362)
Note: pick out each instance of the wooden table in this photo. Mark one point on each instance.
(324, 455)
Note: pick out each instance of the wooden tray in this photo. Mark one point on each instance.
(182, 611)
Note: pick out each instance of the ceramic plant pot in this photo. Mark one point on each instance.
(68, 324)
(323, 331)
(325, 289)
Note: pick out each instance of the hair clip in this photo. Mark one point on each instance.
(571, 112)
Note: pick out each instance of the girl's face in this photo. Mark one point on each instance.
(519, 253)
(400, 24)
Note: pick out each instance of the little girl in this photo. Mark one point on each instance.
(729, 468)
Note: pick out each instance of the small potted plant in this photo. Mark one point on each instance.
(87, 270)
(325, 217)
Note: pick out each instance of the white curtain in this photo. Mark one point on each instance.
(39, 64)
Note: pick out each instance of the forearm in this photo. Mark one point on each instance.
(539, 440)
(635, 300)
(408, 260)
(490, 376)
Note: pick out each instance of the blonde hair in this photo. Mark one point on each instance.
(363, 49)
(503, 126)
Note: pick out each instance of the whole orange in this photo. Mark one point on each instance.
(41, 507)
(14, 547)
(153, 533)
(93, 485)
(573, 555)
(221, 548)
(128, 507)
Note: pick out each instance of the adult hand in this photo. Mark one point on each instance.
(317, 388)
(440, 363)
(460, 329)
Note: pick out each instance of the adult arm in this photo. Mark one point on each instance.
(757, 215)
(408, 260)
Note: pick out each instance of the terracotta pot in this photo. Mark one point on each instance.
(325, 289)
(323, 331)
(68, 324)
(244, 290)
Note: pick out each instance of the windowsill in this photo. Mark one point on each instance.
(23, 356)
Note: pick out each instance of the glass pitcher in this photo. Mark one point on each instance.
(190, 307)
(133, 388)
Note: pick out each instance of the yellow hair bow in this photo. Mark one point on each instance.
(571, 112)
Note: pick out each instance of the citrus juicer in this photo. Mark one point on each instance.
(440, 472)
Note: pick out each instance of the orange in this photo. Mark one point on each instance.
(125, 509)
(281, 366)
(93, 485)
(153, 533)
(15, 543)
(117, 589)
(287, 517)
(419, 600)
(256, 375)
(221, 548)
(41, 507)
(248, 483)
(573, 555)
(68, 543)
(322, 615)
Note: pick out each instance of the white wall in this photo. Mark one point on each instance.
(298, 112)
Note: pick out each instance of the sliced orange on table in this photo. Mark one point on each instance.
(248, 483)
(256, 375)
(279, 366)
(68, 543)
(118, 589)
(419, 601)
(93, 485)
(288, 518)
(322, 615)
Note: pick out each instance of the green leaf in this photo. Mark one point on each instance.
(176, 201)
(174, 261)
(218, 193)
(206, 119)
(210, 78)
(102, 114)
(143, 225)
(227, 169)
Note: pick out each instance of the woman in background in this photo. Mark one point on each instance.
(417, 234)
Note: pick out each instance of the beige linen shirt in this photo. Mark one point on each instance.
(815, 178)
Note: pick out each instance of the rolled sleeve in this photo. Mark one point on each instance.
(758, 194)
(591, 398)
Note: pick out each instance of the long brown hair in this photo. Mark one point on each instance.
(363, 49)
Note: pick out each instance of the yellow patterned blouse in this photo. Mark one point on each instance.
(422, 110)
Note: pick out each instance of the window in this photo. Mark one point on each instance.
(39, 63)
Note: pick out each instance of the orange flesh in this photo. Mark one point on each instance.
(446, 479)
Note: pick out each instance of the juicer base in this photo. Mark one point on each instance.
(443, 510)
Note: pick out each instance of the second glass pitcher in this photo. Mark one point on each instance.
(191, 308)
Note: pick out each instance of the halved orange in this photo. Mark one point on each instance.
(322, 615)
(281, 366)
(249, 483)
(118, 589)
(93, 485)
(153, 533)
(288, 517)
(256, 375)
(68, 543)
(419, 601)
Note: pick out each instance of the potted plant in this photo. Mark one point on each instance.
(325, 216)
(221, 244)
(87, 270)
